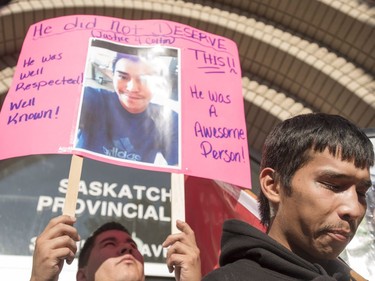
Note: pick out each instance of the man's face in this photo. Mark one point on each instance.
(326, 205)
(114, 257)
(131, 81)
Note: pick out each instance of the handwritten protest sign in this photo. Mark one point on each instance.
(44, 106)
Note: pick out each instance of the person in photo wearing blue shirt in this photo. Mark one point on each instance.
(124, 123)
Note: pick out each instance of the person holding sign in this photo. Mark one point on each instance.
(123, 122)
(314, 178)
(109, 253)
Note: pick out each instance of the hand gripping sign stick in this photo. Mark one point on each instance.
(73, 185)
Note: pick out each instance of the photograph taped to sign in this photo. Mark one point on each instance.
(130, 107)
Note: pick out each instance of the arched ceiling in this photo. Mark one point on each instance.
(296, 56)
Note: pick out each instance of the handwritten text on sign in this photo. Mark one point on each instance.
(40, 113)
(131, 32)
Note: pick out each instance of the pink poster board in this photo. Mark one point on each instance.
(42, 110)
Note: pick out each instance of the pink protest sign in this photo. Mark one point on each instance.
(149, 94)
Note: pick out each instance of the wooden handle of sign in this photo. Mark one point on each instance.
(177, 199)
(73, 185)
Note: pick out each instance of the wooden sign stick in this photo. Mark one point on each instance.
(177, 199)
(73, 185)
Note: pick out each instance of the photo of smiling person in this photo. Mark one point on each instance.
(129, 109)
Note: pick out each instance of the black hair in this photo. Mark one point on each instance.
(89, 244)
(287, 148)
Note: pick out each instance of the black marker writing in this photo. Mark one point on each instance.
(22, 104)
(33, 116)
(160, 40)
(109, 35)
(219, 97)
(78, 24)
(41, 30)
(28, 62)
(158, 33)
(190, 32)
(207, 58)
(213, 63)
(21, 86)
(31, 73)
(195, 93)
(212, 111)
(218, 132)
(226, 155)
(51, 57)
(124, 29)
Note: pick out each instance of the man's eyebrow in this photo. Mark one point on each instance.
(334, 175)
(122, 72)
(114, 239)
(107, 239)
(340, 176)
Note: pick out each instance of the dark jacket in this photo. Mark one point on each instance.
(249, 254)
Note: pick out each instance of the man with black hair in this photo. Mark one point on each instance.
(109, 254)
(313, 180)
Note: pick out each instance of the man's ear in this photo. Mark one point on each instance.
(270, 185)
(81, 275)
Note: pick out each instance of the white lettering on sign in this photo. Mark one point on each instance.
(115, 190)
(106, 208)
